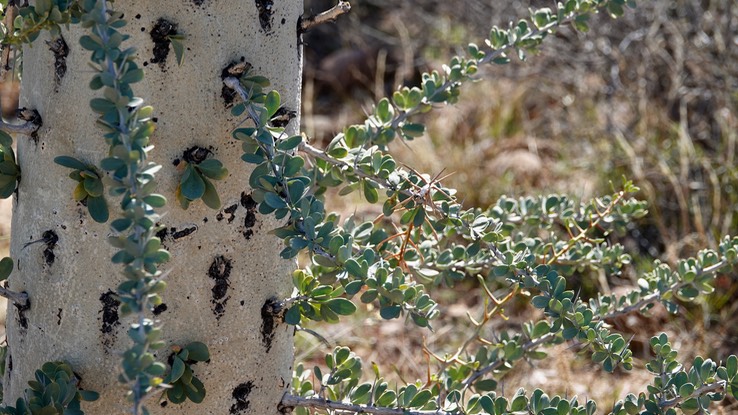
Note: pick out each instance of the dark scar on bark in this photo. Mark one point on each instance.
(231, 211)
(250, 220)
(265, 14)
(159, 309)
(220, 272)
(109, 317)
(60, 50)
(184, 232)
(233, 69)
(22, 319)
(160, 35)
(270, 315)
(241, 394)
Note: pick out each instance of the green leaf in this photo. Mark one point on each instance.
(132, 76)
(341, 306)
(102, 105)
(690, 406)
(98, 208)
(413, 130)
(541, 328)
(192, 185)
(390, 312)
(155, 200)
(195, 392)
(274, 201)
(420, 399)
(70, 162)
(485, 385)
(385, 112)
(293, 316)
(88, 396)
(120, 225)
(198, 352)
(93, 186)
(289, 143)
(178, 47)
(176, 393)
(6, 267)
(6, 140)
(110, 163)
(272, 103)
(178, 369)
(731, 365)
(370, 193)
(213, 169)
(354, 268)
(210, 196)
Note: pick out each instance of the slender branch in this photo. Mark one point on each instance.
(320, 154)
(20, 299)
(649, 299)
(702, 390)
(291, 401)
(329, 15)
(27, 128)
(533, 344)
(652, 298)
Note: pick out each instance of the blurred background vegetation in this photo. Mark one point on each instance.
(652, 96)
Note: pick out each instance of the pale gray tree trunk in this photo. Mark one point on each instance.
(225, 266)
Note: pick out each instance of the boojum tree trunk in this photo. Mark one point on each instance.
(224, 267)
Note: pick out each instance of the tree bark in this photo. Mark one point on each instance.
(224, 267)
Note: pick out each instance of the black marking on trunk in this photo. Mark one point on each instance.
(241, 395)
(231, 211)
(159, 309)
(282, 117)
(220, 272)
(59, 317)
(265, 14)
(184, 232)
(250, 219)
(160, 35)
(60, 49)
(110, 317)
(22, 319)
(50, 239)
(162, 233)
(196, 154)
(268, 322)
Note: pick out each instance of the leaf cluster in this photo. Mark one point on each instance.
(54, 391)
(90, 187)
(128, 126)
(196, 182)
(183, 384)
(44, 15)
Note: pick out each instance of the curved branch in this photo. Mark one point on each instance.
(27, 128)
(20, 299)
(702, 390)
(654, 297)
(329, 15)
